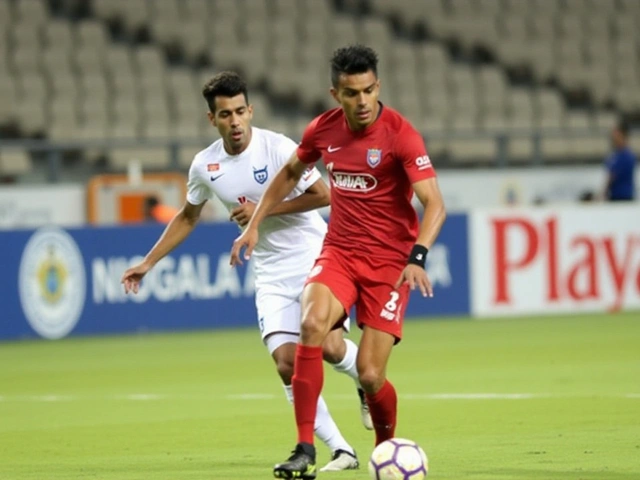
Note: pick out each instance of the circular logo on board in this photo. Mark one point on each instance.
(51, 282)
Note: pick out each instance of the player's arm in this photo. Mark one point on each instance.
(417, 164)
(414, 273)
(317, 195)
(429, 195)
(179, 228)
(174, 234)
(282, 184)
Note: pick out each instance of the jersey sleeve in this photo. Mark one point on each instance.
(286, 148)
(310, 176)
(197, 190)
(307, 151)
(411, 151)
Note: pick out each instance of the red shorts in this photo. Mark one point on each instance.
(368, 286)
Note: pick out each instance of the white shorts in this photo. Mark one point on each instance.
(280, 314)
(277, 313)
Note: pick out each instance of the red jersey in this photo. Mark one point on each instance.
(371, 172)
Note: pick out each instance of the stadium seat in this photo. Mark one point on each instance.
(9, 92)
(6, 15)
(92, 33)
(556, 149)
(153, 158)
(605, 120)
(474, 150)
(520, 149)
(34, 11)
(15, 162)
(196, 8)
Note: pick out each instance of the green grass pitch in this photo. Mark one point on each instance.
(511, 399)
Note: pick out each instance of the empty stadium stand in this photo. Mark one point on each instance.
(480, 78)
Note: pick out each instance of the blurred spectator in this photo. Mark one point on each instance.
(154, 211)
(539, 200)
(620, 166)
(587, 196)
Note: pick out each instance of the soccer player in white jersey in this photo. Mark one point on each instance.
(237, 169)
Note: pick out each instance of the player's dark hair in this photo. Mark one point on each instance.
(224, 84)
(623, 127)
(351, 60)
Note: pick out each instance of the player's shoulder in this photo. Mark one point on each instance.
(327, 119)
(273, 145)
(268, 137)
(208, 155)
(394, 120)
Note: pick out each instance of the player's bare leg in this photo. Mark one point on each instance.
(321, 310)
(343, 455)
(342, 354)
(373, 355)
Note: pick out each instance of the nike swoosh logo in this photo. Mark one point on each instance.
(213, 179)
(334, 149)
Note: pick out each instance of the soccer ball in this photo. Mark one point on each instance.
(398, 459)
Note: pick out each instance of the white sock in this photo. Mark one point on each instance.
(348, 363)
(288, 391)
(325, 428)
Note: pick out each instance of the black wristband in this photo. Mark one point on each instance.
(418, 255)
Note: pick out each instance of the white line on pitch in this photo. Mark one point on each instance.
(251, 396)
(474, 396)
(142, 397)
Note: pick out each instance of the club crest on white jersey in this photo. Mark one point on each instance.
(260, 174)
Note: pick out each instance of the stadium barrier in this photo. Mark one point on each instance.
(57, 282)
(30, 206)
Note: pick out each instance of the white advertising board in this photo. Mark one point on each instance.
(464, 190)
(540, 260)
(38, 205)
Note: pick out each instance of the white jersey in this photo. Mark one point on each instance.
(288, 244)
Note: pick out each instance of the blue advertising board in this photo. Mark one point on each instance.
(448, 268)
(56, 282)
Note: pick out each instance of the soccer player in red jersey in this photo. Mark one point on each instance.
(375, 249)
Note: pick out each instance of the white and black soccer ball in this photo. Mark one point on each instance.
(398, 459)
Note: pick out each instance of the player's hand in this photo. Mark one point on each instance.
(133, 276)
(416, 277)
(242, 213)
(248, 239)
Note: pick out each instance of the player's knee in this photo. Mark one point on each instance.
(371, 379)
(313, 329)
(334, 347)
(333, 350)
(284, 365)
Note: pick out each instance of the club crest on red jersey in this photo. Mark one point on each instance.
(374, 157)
